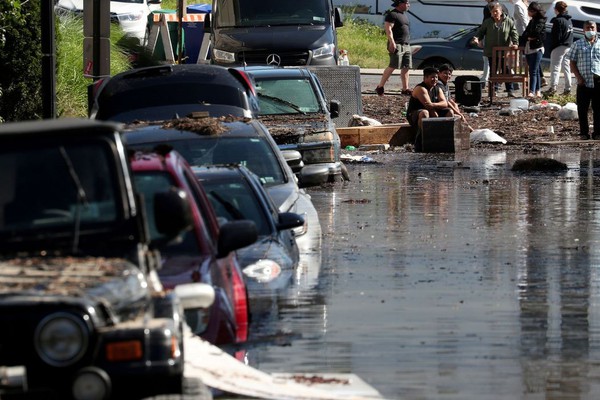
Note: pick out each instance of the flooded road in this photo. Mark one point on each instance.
(447, 280)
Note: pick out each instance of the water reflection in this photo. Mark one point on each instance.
(441, 280)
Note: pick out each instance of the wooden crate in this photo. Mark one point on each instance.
(392, 134)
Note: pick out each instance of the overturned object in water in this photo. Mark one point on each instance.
(539, 164)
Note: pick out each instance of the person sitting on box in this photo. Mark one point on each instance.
(427, 101)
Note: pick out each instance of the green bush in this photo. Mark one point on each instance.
(20, 61)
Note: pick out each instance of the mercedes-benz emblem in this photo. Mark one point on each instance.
(273, 59)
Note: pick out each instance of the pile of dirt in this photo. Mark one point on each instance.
(523, 129)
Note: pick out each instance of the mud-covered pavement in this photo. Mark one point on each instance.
(451, 277)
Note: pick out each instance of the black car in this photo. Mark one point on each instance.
(293, 107)
(237, 194)
(172, 91)
(82, 312)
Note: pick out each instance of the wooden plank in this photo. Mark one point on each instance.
(392, 134)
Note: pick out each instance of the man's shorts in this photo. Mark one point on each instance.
(402, 58)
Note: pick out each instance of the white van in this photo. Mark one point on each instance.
(579, 11)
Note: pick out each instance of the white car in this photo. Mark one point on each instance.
(132, 15)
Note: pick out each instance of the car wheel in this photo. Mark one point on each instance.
(435, 62)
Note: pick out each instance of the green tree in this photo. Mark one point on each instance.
(20, 60)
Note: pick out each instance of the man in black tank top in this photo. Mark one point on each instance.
(427, 100)
(397, 30)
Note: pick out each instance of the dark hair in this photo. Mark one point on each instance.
(445, 67)
(536, 8)
(589, 22)
(430, 71)
(561, 7)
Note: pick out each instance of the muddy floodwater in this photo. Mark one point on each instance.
(451, 277)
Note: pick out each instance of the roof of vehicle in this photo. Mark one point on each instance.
(75, 126)
(186, 128)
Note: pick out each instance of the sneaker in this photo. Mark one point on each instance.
(567, 92)
(596, 136)
(584, 137)
(379, 90)
(544, 82)
(549, 92)
(511, 94)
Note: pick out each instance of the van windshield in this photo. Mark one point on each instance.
(239, 13)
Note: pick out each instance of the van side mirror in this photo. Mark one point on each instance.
(334, 108)
(338, 20)
(207, 23)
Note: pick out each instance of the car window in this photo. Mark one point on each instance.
(149, 184)
(57, 186)
(270, 12)
(286, 96)
(235, 201)
(253, 153)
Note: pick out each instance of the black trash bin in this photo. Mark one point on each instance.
(468, 90)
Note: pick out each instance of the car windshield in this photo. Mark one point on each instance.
(56, 186)
(128, 101)
(239, 13)
(149, 184)
(236, 200)
(251, 152)
(129, 1)
(461, 33)
(286, 96)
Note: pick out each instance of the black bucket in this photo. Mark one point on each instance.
(468, 90)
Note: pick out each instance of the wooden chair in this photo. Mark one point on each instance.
(508, 65)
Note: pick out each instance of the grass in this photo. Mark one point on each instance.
(365, 42)
(71, 85)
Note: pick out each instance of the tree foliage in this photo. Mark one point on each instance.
(20, 60)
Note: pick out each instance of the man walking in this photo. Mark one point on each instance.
(397, 30)
(584, 58)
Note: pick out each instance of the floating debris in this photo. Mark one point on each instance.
(539, 164)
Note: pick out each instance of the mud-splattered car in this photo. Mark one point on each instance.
(82, 312)
(293, 107)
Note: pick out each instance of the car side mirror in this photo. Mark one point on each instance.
(234, 235)
(293, 158)
(288, 220)
(172, 212)
(154, 1)
(334, 108)
(195, 295)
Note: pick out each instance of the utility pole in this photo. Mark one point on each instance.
(48, 59)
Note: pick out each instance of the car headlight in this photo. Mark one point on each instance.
(324, 51)
(130, 16)
(223, 56)
(263, 271)
(61, 339)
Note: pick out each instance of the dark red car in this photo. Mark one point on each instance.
(198, 255)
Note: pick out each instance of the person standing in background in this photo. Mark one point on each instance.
(397, 30)
(562, 39)
(535, 34)
(497, 31)
(585, 65)
(521, 18)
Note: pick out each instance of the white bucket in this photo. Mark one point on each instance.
(523, 104)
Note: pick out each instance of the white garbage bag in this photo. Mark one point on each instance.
(486, 135)
(360, 120)
(568, 112)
